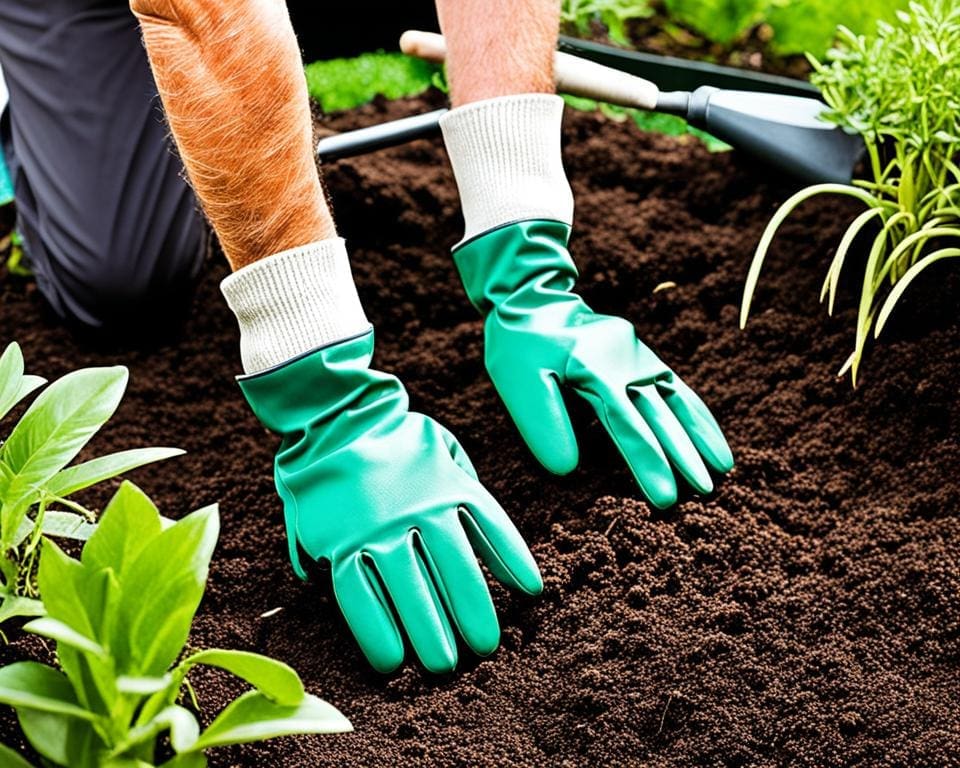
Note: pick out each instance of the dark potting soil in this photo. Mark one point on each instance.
(805, 614)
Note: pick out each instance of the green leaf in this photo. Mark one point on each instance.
(36, 686)
(142, 686)
(11, 759)
(346, 83)
(66, 525)
(172, 570)
(719, 20)
(127, 525)
(63, 583)
(272, 678)
(80, 476)
(58, 424)
(254, 717)
(911, 274)
(63, 740)
(181, 723)
(14, 605)
(14, 386)
(62, 633)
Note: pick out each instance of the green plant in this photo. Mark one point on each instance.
(613, 14)
(35, 481)
(796, 25)
(17, 263)
(120, 616)
(900, 90)
(346, 83)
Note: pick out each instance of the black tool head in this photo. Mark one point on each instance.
(786, 132)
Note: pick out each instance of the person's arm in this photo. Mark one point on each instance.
(503, 139)
(231, 81)
(499, 48)
(386, 496)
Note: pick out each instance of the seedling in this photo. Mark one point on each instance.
(120, 616)
(35, 481)
(900, 90)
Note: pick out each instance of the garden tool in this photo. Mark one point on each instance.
(786, 132)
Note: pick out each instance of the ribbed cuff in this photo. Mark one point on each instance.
(294, 301)
(505, 154)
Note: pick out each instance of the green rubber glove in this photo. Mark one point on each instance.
(391, 500)
(539, 336)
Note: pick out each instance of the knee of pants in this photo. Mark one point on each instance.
(120, 286)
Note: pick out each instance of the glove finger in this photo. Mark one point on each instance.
(457, 453)
(461, 586)
(674, 440)
(367, 612)
(418, 605)
(637, 443)
(498, 542)
(537, 408)
(699, 423)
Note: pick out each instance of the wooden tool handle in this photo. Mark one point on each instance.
(576, 76)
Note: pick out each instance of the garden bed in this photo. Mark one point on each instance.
(807, 613)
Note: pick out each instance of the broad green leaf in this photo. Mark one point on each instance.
(181, 723)
(142, 686)
(14, 386)
(272, 678)
(80, 476)
(12, 516)
(11, 759)
(55, 629)
(63, 740)
(36, 686)
(14, 605)
(67, 525)
(58, 424)
(127, 525)
(23, 531)
(172, 570)
(93, 677)
(254, 717)
(63, 583)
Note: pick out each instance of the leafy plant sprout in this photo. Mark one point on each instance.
(35, 481)
(120, 616)
(900, 90)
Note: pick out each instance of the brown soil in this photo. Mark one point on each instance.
(805, 614)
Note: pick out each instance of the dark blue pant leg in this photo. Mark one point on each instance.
(112, 229)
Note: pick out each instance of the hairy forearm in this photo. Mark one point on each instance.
(499, 47)
(232, 86)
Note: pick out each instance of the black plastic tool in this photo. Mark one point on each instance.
(783, 130)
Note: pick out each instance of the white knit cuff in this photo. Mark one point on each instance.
(293, 302)
(505, 154)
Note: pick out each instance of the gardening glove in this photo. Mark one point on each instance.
(539, 335)
(386, 496)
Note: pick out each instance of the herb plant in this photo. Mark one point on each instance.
(120, 616)
(35, 481)
(900, 90)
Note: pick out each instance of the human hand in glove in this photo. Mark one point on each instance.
(540, 336)
(387, 496)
